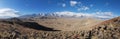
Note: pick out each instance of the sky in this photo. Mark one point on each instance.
(14, 8)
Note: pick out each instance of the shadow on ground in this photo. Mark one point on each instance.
(36, 26)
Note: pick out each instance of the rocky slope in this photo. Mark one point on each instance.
(109, 29)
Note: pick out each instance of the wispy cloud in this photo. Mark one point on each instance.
(8, 12)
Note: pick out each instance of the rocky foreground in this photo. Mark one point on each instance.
(17, 29)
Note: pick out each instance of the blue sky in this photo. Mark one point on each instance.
(46, 6)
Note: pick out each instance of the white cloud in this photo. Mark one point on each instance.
(83, 8)
(105, 15)
(8, 12)
(63, 5)
(73, 3)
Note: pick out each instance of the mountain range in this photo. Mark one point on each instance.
(57, 26)
(68, 15)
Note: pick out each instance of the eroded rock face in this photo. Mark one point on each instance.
(109, 29)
